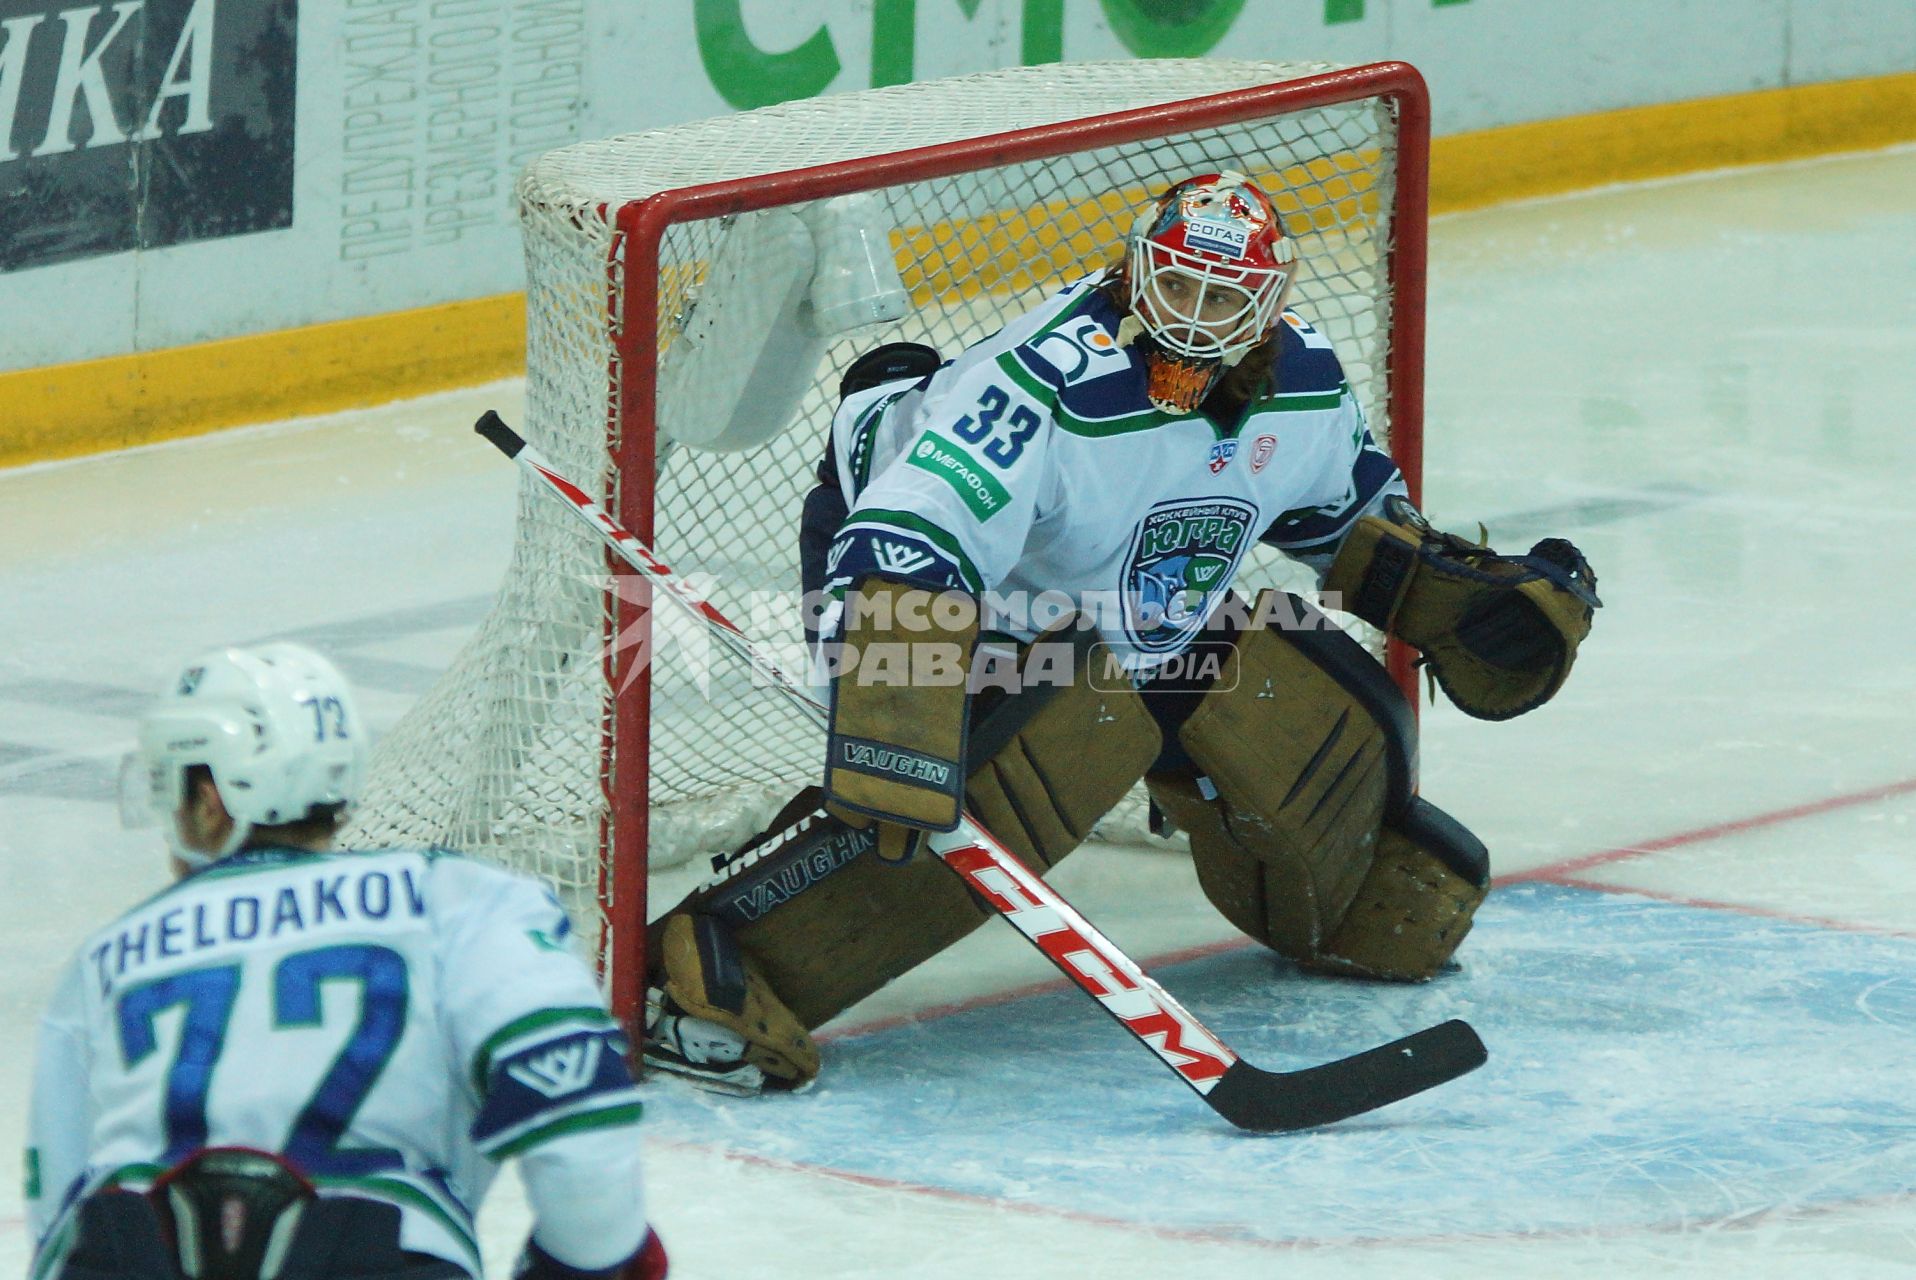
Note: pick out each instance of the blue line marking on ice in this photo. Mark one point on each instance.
(1650, 1064)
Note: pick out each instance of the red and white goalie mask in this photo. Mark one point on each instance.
(1208, 267)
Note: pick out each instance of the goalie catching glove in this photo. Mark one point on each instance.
(1499, 632)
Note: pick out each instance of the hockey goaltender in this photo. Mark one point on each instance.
(1120, 448)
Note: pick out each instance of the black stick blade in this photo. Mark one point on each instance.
(1279, 1101)
(504, 438)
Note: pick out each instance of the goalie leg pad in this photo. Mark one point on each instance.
(708, 975)
(1308, 746)
(1058, 755)
(1415, 906)
(1267, 895)
(1309, 838)
(827, 921)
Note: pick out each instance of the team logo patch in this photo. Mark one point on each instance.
(901, 558)
(1182, 560)
(1082, 351)
(1261, 452)
(564, 1069)
(1311, 337)
(1221, 454)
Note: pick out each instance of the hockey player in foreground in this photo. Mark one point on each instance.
(300, 1064)
(1078, 491)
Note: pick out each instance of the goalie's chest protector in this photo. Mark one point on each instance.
(1038, 453)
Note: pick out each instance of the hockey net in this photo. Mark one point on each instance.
(580, 736)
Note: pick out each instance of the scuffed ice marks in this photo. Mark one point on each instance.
(1652, 1065)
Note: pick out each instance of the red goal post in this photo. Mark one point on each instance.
(576, 738)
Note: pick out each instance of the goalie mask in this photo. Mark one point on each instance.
(275, 725)
(1207, 270)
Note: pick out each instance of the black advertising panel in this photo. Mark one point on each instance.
(135, 124)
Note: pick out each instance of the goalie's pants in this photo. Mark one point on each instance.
(339, 1238)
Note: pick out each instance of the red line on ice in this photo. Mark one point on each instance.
(1716, 831)
(1564, 873)
(1736, 1219)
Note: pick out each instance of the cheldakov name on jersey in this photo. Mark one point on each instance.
(394, 1023)
(1034, 463)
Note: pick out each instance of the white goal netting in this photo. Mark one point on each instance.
(527, 751)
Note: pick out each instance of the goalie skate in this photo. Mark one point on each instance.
(705, 1053)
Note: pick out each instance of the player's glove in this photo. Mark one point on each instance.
(1500, 633)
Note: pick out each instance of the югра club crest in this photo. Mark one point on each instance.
(1184, 556)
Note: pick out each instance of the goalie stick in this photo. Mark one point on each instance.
(1247, 1096)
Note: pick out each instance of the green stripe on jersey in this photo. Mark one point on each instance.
(911, 522)
(1105, 427)
(1013, 368)
(609, 1118)
(864, 432)
(587, 1016)
(1302, 401)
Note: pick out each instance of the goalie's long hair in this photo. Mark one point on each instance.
(1253, 376)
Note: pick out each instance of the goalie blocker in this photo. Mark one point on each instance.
(1293, 772)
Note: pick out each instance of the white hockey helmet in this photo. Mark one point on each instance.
(275, 724)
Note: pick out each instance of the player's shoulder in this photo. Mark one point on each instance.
(426, 872)
(1077, 363)
(455, 881)
(1072, 338)
(1305, 363)
(268, 875)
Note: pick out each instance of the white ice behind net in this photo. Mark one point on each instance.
(509, 755)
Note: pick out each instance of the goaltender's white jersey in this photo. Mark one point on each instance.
(1034, 462)
(393, 1023)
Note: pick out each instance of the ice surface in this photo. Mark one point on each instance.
(1636, 1052)
(1706, 383)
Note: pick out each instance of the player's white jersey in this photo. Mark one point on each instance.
(393, 1023)
(1035, 462)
